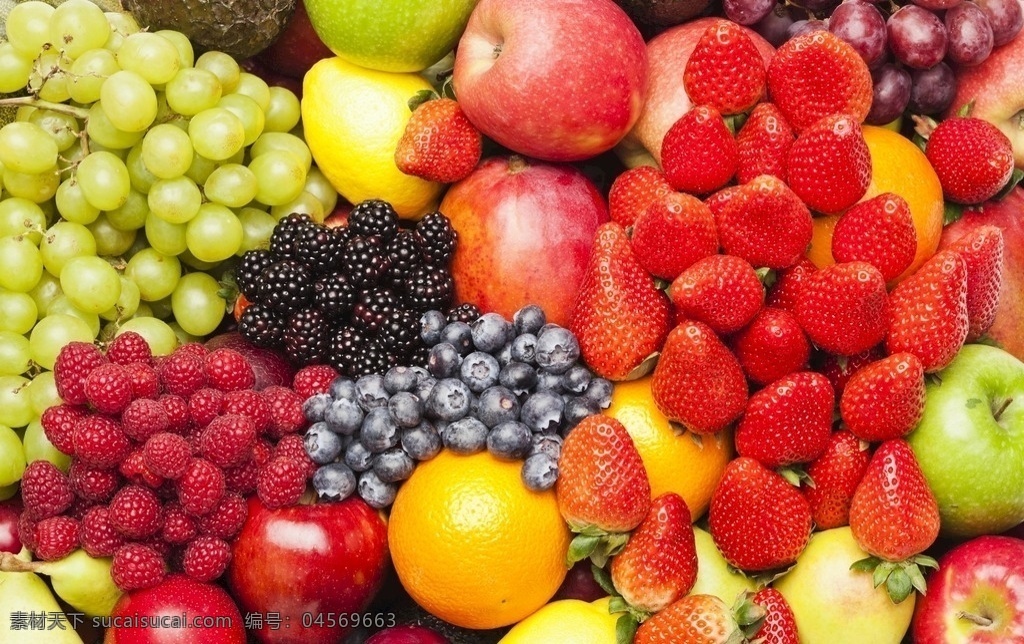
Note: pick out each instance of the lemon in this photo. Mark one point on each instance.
(352, 119)
(569, 621)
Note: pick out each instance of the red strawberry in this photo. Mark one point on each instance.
(879, 231)
(835, 475)
(620, 317)
(721, 291)
(885, 399)
(804, 93)
(717, 200)
(439, 143)
(659, 563)
(725, 70)
(788, 281)
(829, 164)
(787, 422)
(697, 381)
(772, 346)
(763, 142)
(675, 231)
(779, 625)
(633, 191)
(701, 619)
(972, 157)
(844, 308)
(699, 154)
(982, 252)
(757, 519)
(839, 369)
(929, 311)
(765, 223)
(602, 487)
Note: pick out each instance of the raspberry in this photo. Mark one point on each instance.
(136, 512)
(144, 379)
(206, 558)
(281, 482)
(45, 490)
(158, 545)
(134, 468)
(228, 440)
(79, 507)
(314, 379)
(293, 446)
(92, 483)
(100, 441)
(242, 478)
(286, 415)
(97, 535)
(179, 527)
(193, 349)
(27, 530)
(204, 406)
(74, 363)
(142, 418)
(136, 566)
(56, 538)
(181, 374)
(176, 409)
(228, 370)
(226, 519)
(201, 488)
(129, 348)
(108, 388)
(59, 425)
(250, 404)
(167, 455)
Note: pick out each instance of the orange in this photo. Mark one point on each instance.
(472, 545)
(675, 460)
(899, 166)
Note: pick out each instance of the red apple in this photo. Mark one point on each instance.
(975, 595)
(525, 231)
(408, 634)
(255, 66)
(188, 610)
(10, 510)
(559, 80)
(314, 565)
(270, 367)
(296, 48)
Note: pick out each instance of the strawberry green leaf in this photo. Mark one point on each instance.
(1015, 179)
(882, 572)
(421, 97)
(952, 212)
(603, 579)
(916, 578)
(898, 585)
(989, 340)
(966, 109)
(581, 547)
(625, 629)
(868, 564)
(608, 547)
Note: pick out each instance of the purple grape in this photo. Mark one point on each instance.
(970, 34)
(817, 7)
(1006, 18)
(863, 26)
(932, 90)
(774, 26)
(937, 5)
(890, 95)
(747, 12)
(917, 37)
(801, 27)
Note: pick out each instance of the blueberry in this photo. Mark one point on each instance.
(599, 391)
(422, 442)
(510, 440)
(406, 409)
(334, 482)
(542, 411)
(374, 491)
(547, 381)
(449, 400)
(313, 408)
(358, 457)
(497, 405)
(550, 444)
(423, 387)
(443, 360)
(490, 332)
(504, 354)
(459, 335)
(557, 349)
(378, 431)
(431, 324)
(344, 416)
(393, 465)
(420, 373)
(400, 379)
(524, 348)
(370, 392)
(342, 387)
(465, 436)
(518, 377)
(322, 445)
(540, 472)
(479, 371)
(576, 379)
(529, 319)
(577, 409)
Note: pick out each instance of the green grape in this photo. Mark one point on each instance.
(104, 180)
(248, 112)
(283, 111)
(62, 128)
(15, 357)
(216, 133)
(53, 332)
(186, 55)
(45, 293)
(190, 260)
(26, 147)
(88, 73)
(63, 306)
(305, 203)
(127, 303)
(320, 187)
(165, 237)
(223, 66)
(21, 216)
(197, 305)
(183, 336)
(167, 151)
(128, 99)
(78, 26)
(158, 335)
(192, 90)
(122, 25)
(39, 448)
(72, 204)
(255, 88)
(149, 55)
(103, 132)
(64, 241)
(28, 27)
(144, 310)
(284, 142)
(141, 178)
(12, 457)
(214, 234)
(21, 264)
(175, 200)
(42, 392)
(281, 177)
(49, 77)
(18, 312)
(154, 273)
(161, 308)
(131, 215)
(232, 185)
(110, 241)
(91, 283)
(257, 226)
(201, 168)
(15, 407)
(34, 187)
(14, 69)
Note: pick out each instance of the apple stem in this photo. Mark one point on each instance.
(517, 164)
(974, 618)
(1002, 408)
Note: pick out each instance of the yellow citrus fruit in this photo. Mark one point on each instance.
(352, 118)
(898, 166)
(675, 462)
(472, 545)
(569, 621)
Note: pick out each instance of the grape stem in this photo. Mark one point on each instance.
(32, 101)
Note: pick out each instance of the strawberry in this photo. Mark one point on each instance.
(620, 316)
(879, 231)
(602, 487)
(763, 142)
(772, 346)
(765, 223)
(659, 563)
(844, 308)
(787, 422)
(839, 369)
(817, 74)
(982, 252)
(721, 291)
(894, 517)
(697, 381)
(757, 519)
(779, 625)
(885, 399)
(717, 200)
(788, 281)
(835, 475)
(829, 164)
(929, 311)
(702, 619)
(699, 154)
(972, 158)
(673, 232)
(439, 143)
(725, 70)
(633, 191)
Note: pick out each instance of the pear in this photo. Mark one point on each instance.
(23, 594)
(81, 580)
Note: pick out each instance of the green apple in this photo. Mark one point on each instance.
(970, 442)
(714, 574)
(390, 35)
(835, 605)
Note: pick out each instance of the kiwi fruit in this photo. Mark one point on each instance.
(659, 14)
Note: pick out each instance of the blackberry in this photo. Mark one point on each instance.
(365, 260)
(321, 248)
(261, 326)
(466, 312)
(372, 358)
(286, 232)
(436, 237)
(374, 217)
(373, 308)
(286, 287)
(400, 333)
(307, 337)
(248, 271)
(404, 255)
(429, 287)
(335, 296)
(346, 345)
